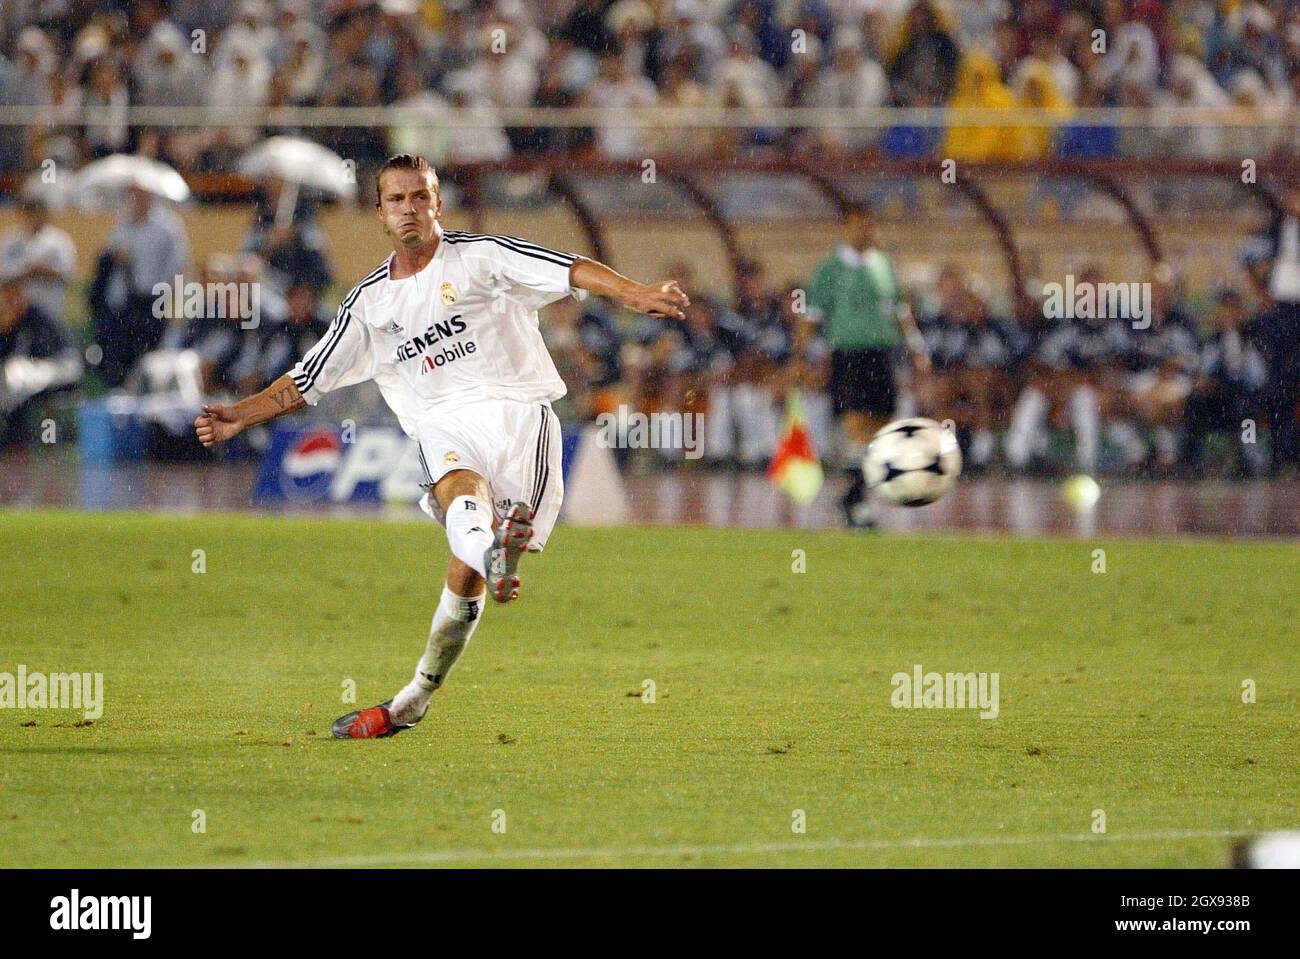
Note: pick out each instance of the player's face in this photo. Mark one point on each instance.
(409, 205)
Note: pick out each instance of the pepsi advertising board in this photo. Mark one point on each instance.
(319, 463)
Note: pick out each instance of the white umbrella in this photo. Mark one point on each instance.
(299, 163)
(51, 190)
(101, 179)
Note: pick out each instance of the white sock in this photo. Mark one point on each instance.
(1085, 417)
(453, 625)
(1026, 420)
(469, 531)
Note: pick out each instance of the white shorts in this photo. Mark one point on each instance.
(515, 446)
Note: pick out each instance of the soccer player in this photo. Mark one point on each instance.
(447, 327)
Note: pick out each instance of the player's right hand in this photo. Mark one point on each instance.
(216, 424)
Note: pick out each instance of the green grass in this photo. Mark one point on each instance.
(1119, 692)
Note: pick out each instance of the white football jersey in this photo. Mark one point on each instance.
(464, 327)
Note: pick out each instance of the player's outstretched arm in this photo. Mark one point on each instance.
(218, 423)
(657, 299)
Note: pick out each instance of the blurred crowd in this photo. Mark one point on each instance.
(159, 326)
(850, 339)
(1214, 363)
(96, 59)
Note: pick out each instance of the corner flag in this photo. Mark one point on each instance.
(795, 469)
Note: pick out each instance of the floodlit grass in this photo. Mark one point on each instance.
(1119, 692)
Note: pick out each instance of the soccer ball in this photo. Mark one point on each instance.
(912, 462)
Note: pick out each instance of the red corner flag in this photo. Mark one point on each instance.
(795, 469)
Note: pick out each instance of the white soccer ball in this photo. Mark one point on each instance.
(912, 462)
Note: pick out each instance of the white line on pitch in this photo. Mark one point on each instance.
(433, 857)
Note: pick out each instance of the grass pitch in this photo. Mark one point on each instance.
(1119, 691)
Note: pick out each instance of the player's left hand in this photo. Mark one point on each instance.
(661, 299)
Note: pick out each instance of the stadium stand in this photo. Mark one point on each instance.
(88, 80)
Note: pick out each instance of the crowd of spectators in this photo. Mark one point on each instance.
(1134, 401)
(262, 306)
(95, 60)
(1154, 399)
(1152, 396)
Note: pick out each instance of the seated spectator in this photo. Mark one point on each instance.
(33, 65)
(674, 363)
(583, 340)
(806, 367)
(1040, 92)
(1068, 372)
(167, 73)
(852, 80)
(37, 359)
(1228, 388)
(1048, 53)
(743, 420)
(424, 127)
(1192, 85)
(280, 344)
(294, 252)
(616, 87)
(923, 59)
(754, 82)
(241, 81)
(147, 249)
(681, 90)
(214, 340)
(483, 137)
(40, 256)
(980, 88)
(509, 77)
(1161, 365)
(104, 96)
(971, 355)
(304, 63)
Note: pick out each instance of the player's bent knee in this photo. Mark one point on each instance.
(460, 483)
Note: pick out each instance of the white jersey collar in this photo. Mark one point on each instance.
(437, 255)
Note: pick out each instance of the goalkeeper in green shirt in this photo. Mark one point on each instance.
(854, 297)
